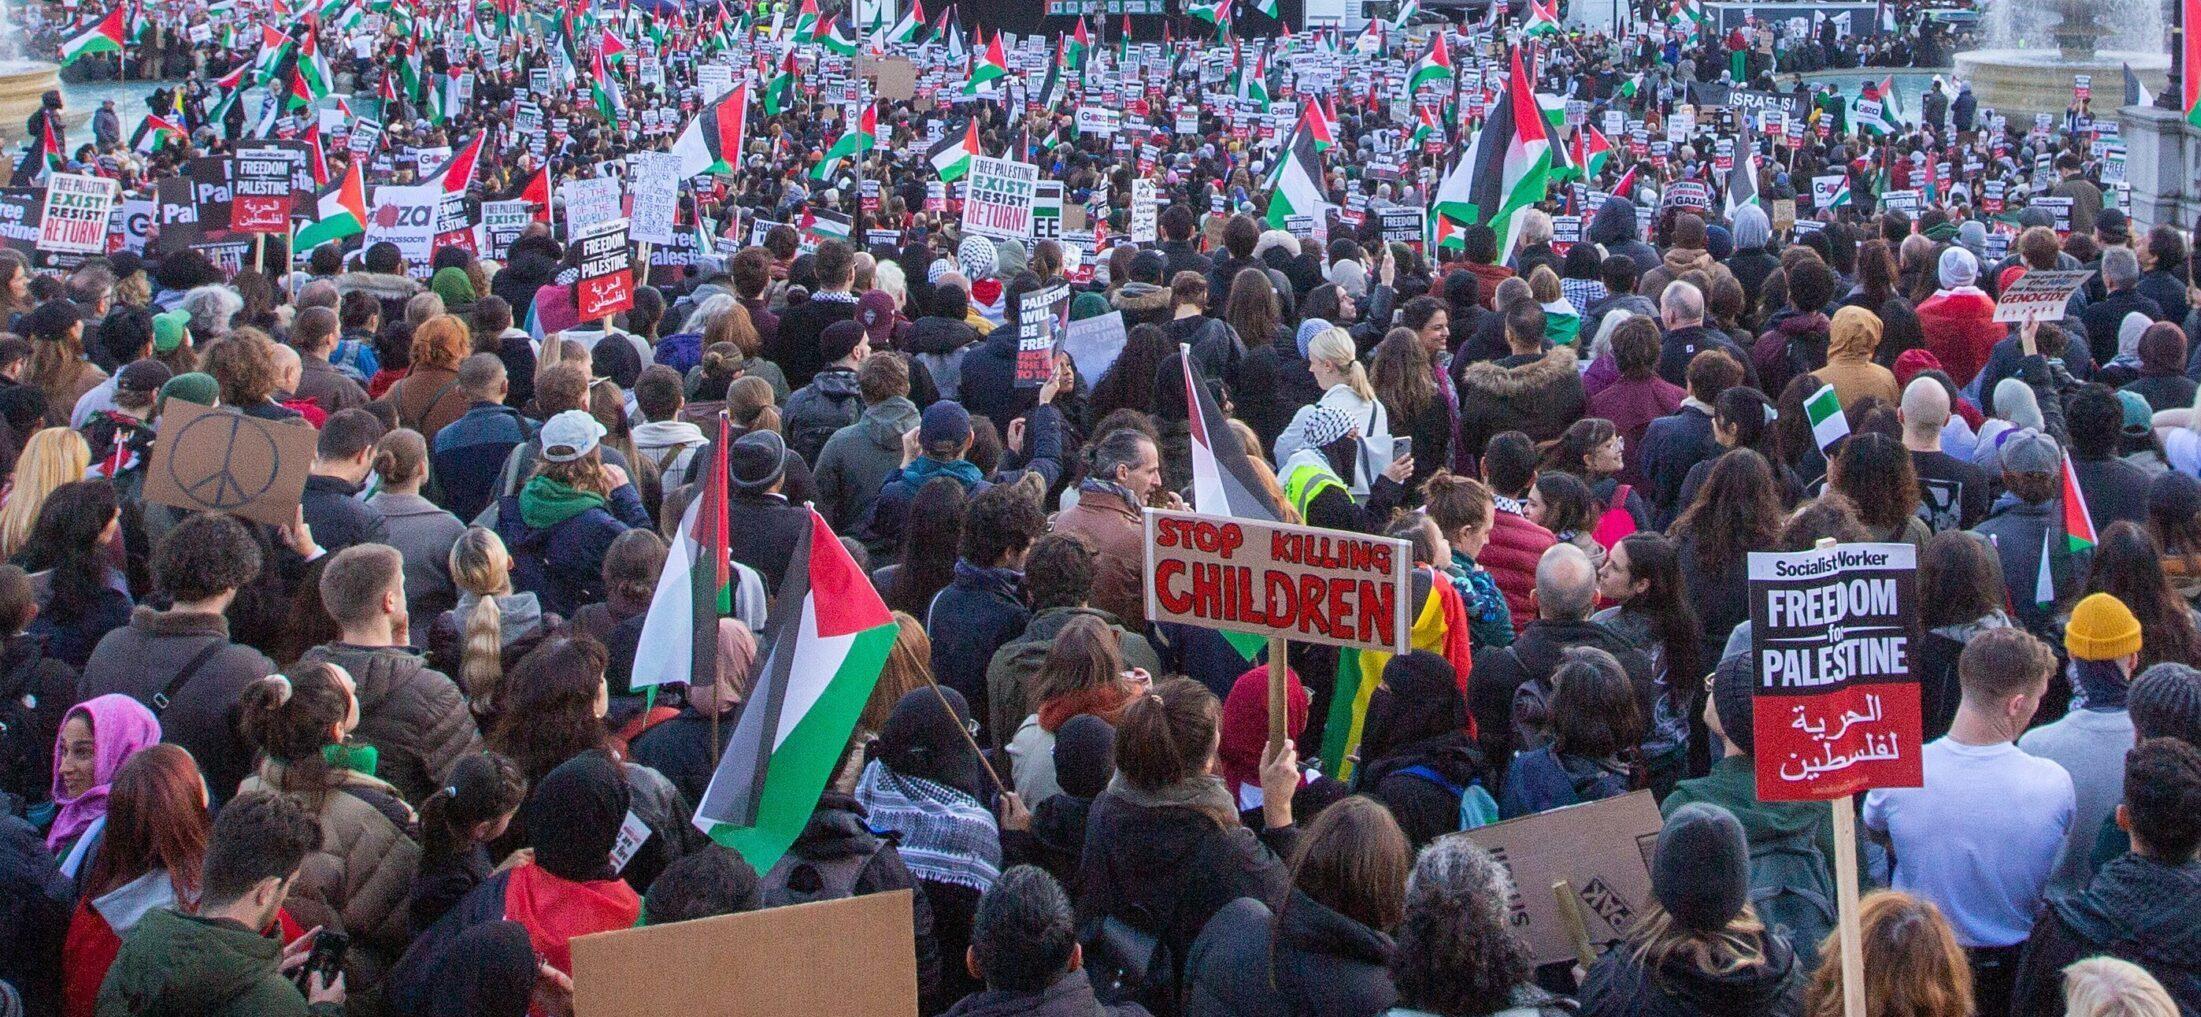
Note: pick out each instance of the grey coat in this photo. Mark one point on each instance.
(859, 458)
(423, 533)
(141, 659)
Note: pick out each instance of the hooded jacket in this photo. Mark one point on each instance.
(563, 562)
(837, 830)
(2016, 531)
(656, 441)
(176, 965)
(1539, 398)
(1960, 331)
(414, 716)
(857, 460)
(1614, 227)
(940, 344)
(1142, 304)
(1852, 338)
(830, 402)
(2136, 909)
(1732, 784)
(1534, 657)
(1306, 960)
(1414, 742)
(988, 382)
(1618, 986)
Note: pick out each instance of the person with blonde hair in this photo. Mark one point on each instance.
(2108, 987)
(1345, 387)
(1697, 947)
(54, 456)
(421, 530)
(490, 624)
(1913, 965)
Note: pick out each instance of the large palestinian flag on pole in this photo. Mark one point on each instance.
(341, 212)
(828, 639)
(1508, 166)
(1223, 481)
(951, 158)
(1297, 187)
(679, 642)
(103, 37)
(713, 140)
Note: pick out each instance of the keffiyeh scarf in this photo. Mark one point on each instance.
(947, 836)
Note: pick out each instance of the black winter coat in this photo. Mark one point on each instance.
(680, 748)
(35, 901)
(2136, 909)
(1308, 961)
(1619, 987)
(1069, 996)
(1424, 808)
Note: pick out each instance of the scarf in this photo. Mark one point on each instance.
(360, 759)
(554, 909)
(947, 836)
(1104, 486)
(925, 468)
(545, 503)
(1203, 793)
(120, 727)
(1104, 701)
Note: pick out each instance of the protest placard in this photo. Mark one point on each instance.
(589, 203)
(2039, 294)
(1143, 211)
(1094, 344)
(606, 286)
(1832, 632)
(1826, 189)
(209, 460)
(1602, 849)
(1404, 225)
(406, 216)
(76, 211)
(656, 178)
(1098, 120)
(503, 221)
(1040, 321)
(2058, 208)
(455, 214)
(1277, 580)
(1047, 210)
(999, 201)
(739, 965)
(263, 185)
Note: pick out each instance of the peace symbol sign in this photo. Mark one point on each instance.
(221, 463)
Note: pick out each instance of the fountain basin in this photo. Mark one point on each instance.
(2027, 81)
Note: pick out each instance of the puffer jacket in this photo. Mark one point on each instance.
(830, 402)
(1539, 398)
(415, 717)
(988, 383)
(359, 879)
(1852, 339)
(1515, 546)
(177, 965)
(1614, 228)
(1675, 263)
(1142, 304)
(856, 461)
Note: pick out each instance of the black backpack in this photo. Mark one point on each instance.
(26, 746)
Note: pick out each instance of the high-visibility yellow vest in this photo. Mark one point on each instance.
(1308, 480)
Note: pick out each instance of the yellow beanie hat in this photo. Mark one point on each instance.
(2101, 628)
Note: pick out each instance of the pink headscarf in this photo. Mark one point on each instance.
(120, 727)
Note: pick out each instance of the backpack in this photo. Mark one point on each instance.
(1531, 713)
(26, 746)
(1128, 964)
(1791, 890)
(1477, 808)
(798, 880)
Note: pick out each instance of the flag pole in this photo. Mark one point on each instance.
(966, 733)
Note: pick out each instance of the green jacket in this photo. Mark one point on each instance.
(174, 965)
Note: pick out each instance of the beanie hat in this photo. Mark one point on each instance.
(1088, 305)
(193, 387)
(2174, 494)
(170, 328)
(1958, 268)
(1733, 687)
(840, 339)
(1700, 870)
(757, 461)
(1009, 258)
(1308, 329)
(2165, 702)
(1085, 756)
(1909, 363)
(1718, 243)
(2101, 628)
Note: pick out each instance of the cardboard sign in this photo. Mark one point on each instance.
(1827, 188)
(1094, 344)
(503, 221)
(1143, 212)
(1042, 315)
(1836, 707)
(590, 203)
(656, 195)
(1302, 583)
(999, 201)
(263, 187)
(1407, 225)
(897, 80)
(76, 213)
(209, 460)
(606, 286)
(1602, 848)
(740, 965)
(2040, 294)
(1046, 210)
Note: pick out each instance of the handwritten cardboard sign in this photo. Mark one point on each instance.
(1836, 707)
(1302, 583)
(219, 460)
(2040, 294)
(1603, 849)
(753, 964)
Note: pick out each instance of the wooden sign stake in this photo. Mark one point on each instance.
(1279, 666)
(1845, 894)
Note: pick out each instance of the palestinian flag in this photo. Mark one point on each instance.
(1297, 183)
(1223, 481)
(610, 101)
(1629, 88)
(1507, 166)
(41, 158)
(1214, 12)
(1687, 17)
(1824, 410)
(712, 142)
(992, 65)
(1053, 90)
(2189, 79)
(679, 643)
(1254, 84)
(103, 37)
(273, 44)
(156, 131)
(951, 158)
(1543, 21)
(912, 25)
(316, 157)
(834, 35)
(1425, 127)
(1405, 15)
(1078, 46)
(1434, 69)
(537, 193)
(610, 46)
(340, 212)
(828, 640)
(458, 174)
(1440, 627)
(852, 144)
(1591, 151)
(1875, 111)
(779, 93)
(2078, 523)
(313, 70)
(806, 20)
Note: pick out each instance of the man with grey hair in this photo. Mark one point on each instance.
(1681, 315)
(1566, 593)
(2121, 277)
(1955, 492)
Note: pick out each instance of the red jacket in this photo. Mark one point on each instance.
(1961, 331)
(1516, 545)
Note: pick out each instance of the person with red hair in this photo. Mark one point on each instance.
(148, 857)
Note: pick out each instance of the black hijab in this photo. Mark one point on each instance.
(489, 971)
(1418, 702)
(573, 817)
(922, 739)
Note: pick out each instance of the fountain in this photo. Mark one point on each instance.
(22, 81)
(2035, 50)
